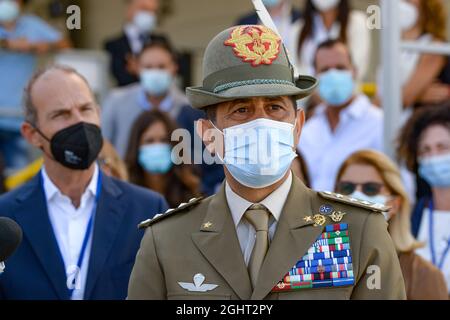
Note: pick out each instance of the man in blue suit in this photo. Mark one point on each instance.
(80, 226)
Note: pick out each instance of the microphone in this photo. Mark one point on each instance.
(10, 239)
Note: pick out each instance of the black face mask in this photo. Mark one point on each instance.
(76, 147)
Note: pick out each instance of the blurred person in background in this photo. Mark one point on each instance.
(23, 38)
(343, 123)
(150, 162)
(425, 147)
(80, 238)
(111, 163)
(157, 90)
(141, 21)
(371, 176)
(425, 22)
(331, 19)
(284, 16)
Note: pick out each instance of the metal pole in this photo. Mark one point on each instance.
(390, 58)
(431, 48)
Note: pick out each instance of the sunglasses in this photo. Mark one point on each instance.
(369, 188)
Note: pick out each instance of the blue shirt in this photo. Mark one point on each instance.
(165, 105)
(17, 68)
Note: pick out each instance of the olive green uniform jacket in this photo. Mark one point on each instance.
(200, 238)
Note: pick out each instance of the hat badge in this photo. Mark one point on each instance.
(257, 45)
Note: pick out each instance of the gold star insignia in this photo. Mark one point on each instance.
(207, 225)
(308, 219)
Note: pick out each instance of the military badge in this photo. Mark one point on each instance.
(327, 263)
(255, 44)
(319, 220)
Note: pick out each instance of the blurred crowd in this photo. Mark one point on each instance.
(341, 147)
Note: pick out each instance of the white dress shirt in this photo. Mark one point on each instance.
(360, 127)
(69, 226)
(238, 206)
(441, 235)
(134, 38)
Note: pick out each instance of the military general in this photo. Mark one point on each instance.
(264, 235)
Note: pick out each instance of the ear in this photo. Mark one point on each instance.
(31, 135)
(300, 122)
(209, 135)
(355, 72)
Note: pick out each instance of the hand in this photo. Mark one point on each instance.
(20, 45)
(436, 93)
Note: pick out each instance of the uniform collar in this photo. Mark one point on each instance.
(273, 202)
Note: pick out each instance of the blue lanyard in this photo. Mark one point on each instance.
(439, 263)
(89, 227)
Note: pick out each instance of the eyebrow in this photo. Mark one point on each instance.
(63, 110)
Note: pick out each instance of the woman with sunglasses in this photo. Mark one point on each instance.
(371, 176)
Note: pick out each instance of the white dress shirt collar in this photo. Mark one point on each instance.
(51, 190)
(355, 110)
(133, 35)
(274, 202)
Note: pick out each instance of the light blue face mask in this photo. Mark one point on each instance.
(259, 153)
(336, 87)
(9, 11)
(145, 21)
(436, 170)
(156, 82)
(271, 3)
(156, 158)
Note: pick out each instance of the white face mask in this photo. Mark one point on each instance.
(378, 199)
(408, 15)
(259, 153)
(325, 5)
(9, 11)
(145, 21)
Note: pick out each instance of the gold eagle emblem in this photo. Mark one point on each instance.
(256, 44)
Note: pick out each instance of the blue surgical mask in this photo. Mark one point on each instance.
(336, 87)
(156, 82)
(9, 11)
(259, 153)
(156, 158)
(436, 170)
(145, 21)
(271, 3)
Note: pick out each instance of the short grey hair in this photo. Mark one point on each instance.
(30, 111)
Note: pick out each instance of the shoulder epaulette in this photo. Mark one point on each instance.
(182, 207)
(375, 207)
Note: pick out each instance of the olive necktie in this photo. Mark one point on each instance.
(258, 216)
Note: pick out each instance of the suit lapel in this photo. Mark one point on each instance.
(37, 229)
(291, 241)
(108, 218)
(219, 244)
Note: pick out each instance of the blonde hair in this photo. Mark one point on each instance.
(433, 18)
(400, 224)
(112, 159)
